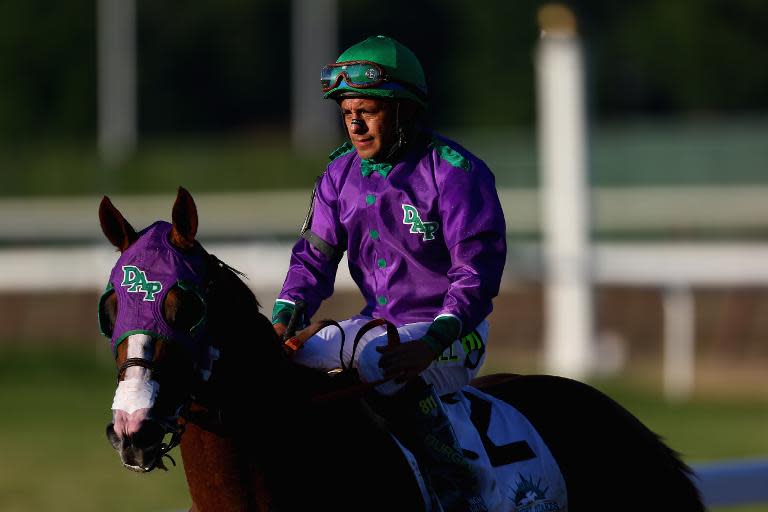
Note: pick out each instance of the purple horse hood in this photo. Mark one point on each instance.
(142, 278)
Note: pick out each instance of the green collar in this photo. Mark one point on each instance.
(341, 151)
(368, 165)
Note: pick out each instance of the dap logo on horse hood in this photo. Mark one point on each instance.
(142, 277)
(136, 280)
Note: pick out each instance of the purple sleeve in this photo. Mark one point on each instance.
(475, 234)
(312, 270)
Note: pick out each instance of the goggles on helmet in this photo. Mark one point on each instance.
(360, 74)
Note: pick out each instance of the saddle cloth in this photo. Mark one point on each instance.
(516, 470)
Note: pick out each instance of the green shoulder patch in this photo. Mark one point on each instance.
(340, 151)
(450, 155)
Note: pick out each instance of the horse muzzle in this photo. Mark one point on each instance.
(143, 450)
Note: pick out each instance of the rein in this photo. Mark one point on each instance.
(393, 338)
(190, 411)
(295, 342)
(358, 389)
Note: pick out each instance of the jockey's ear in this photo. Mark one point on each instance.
(184, 220)
(115, 227)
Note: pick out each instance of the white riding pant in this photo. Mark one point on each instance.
(448, 373)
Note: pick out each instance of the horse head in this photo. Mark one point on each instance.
(154, 312)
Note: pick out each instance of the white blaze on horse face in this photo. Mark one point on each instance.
(136, 393)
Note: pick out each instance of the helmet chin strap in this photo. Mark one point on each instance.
(400, 141)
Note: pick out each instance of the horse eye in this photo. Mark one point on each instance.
(183, 309)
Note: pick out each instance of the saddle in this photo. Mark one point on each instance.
(509, 457)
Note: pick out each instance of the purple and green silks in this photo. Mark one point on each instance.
(424, 237)
(143, 276)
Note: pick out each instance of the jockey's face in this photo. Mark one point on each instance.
(370, 124)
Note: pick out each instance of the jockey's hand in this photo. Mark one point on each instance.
(280, 329)
(406, 360)
(282, 314)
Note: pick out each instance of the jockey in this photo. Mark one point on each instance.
(420, 220)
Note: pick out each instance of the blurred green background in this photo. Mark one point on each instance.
(676, 91)
(676, 98)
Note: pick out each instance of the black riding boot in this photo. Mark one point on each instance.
(420, 421)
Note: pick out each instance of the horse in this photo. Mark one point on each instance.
(259, 432)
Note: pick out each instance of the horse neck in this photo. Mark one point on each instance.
(274, 395)
(271, 425)
(252, 354)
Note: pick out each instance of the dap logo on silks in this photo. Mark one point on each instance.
(136, 281)
(411, 216)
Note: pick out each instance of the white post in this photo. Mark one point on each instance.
(314, 38)
(117, 79)
(679, 342)
(562, 134)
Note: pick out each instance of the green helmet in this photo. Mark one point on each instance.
(379, 67)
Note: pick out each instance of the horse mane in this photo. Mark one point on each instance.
(235, 316)
(232, 279)
(248, 339)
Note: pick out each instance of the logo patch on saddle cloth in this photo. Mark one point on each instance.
(529, 496)
(136, 281)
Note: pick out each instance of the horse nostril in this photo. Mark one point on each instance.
(112, 437)
(150, 433)
(138, 451)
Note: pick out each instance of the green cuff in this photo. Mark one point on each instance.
(443, 331)
(282, 312)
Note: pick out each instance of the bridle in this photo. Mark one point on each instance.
(170, 424)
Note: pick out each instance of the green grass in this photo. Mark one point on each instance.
(56, 401)
(702, 429)
(53, 451)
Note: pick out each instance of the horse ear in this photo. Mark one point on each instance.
(184, 218)
(115, 227)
